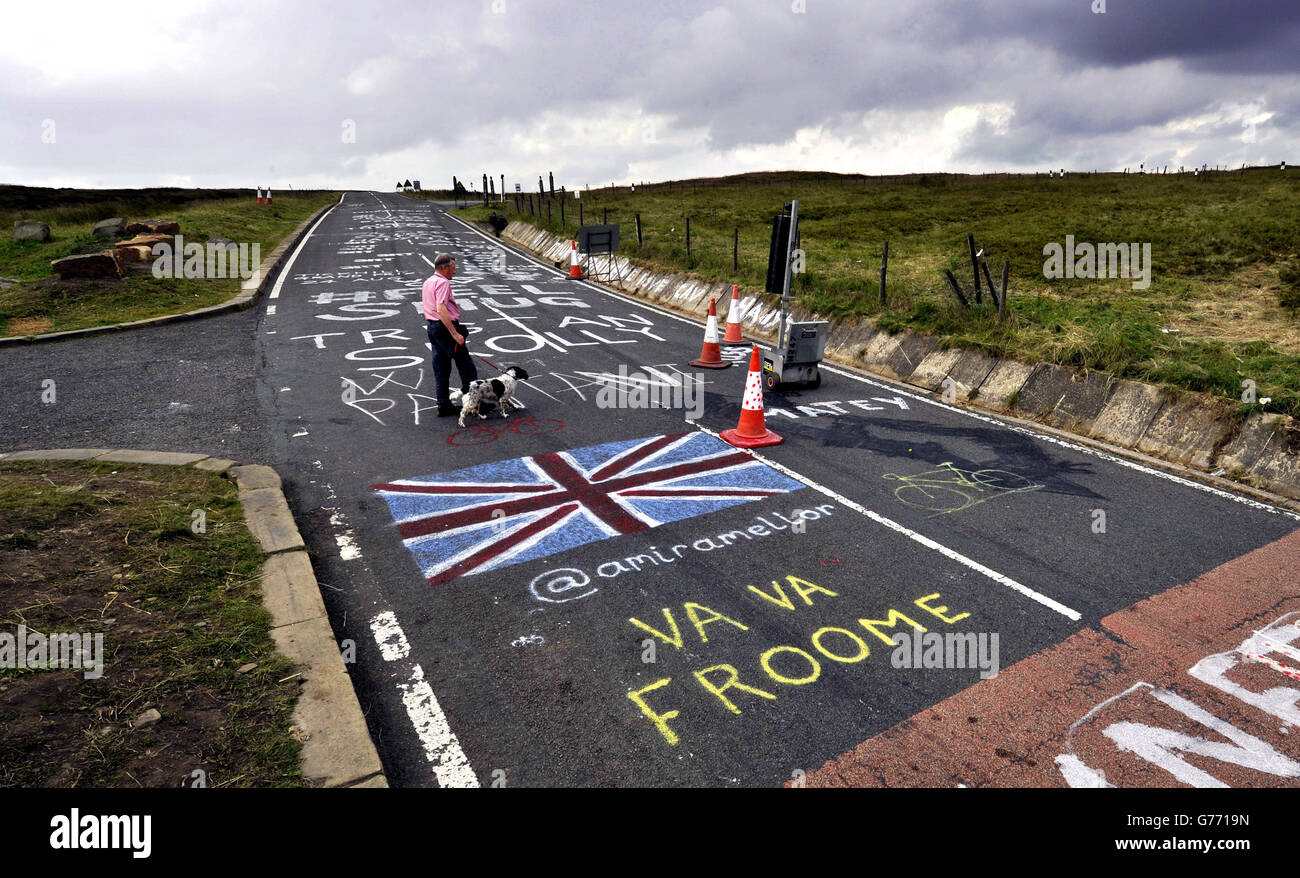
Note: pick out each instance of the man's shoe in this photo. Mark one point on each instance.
(445, 411)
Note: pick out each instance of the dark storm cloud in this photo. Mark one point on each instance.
(1216, 36)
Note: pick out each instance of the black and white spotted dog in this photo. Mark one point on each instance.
(489, 391)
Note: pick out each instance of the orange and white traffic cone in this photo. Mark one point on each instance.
(733, 335)
(259, 194)
(711, 353)
(575, 270)
(268, 195)
(751, 431)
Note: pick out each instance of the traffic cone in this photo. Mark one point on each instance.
(751, 431)
(268, 195)
(733, 335)
(575, 270)
(259, 194)
(711, 354)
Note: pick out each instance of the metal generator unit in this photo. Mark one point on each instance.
(798, 361)
(800, 346)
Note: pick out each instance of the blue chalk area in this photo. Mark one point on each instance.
(407, 506)
(594, 456)
(577, 530)
(755, 475)
(693, 447)
(502, 471)
(667, 509)
(433, 550)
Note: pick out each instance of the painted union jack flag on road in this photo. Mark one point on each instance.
(486, 517)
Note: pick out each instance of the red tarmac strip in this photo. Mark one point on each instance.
(1122, 705)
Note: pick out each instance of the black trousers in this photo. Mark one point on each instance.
(445, 350)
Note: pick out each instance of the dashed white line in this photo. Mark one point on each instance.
(441, 747)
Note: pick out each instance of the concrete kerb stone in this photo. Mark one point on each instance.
(154, 458)
(1250, 440)
(76, 333)
(337, 750)
(57, 454)
(970, 372)
(881, 347)
(911, 352)
(1083, 401)
(252, 477)
(1127, 413)
(932, 371)
(216, 465)
(1003, 380)
(270, 521)
(1043, 390)
(289, 589)
(1279, 464)
(1187, 430)
(249, 291)
(1267, 448)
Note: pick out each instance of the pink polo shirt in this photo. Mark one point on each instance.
(437, 291)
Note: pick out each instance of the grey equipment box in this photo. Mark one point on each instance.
(798, 363)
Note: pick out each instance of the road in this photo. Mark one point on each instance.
(583, 594)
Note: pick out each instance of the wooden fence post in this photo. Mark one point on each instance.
(975, 268)
(638, 230)
(884, 267)
(1002, 299)
(952, 282)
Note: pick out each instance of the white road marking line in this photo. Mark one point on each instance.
(284, 272)
(381, 204)
(1078, 775)
(390, 637)
(1103, 455)
(1072, 615)
(346, 539)
(270, 310)
(450, 765)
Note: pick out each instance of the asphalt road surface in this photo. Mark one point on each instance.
(596, 590)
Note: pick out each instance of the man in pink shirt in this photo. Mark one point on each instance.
(446, 334)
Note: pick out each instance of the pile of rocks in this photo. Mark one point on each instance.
(113, 262)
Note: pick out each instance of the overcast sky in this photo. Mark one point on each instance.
(321, 93)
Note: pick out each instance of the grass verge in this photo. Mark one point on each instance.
(109, 548)
(41, 302)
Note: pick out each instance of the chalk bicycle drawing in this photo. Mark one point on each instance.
(524, 425)
(951, 489)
